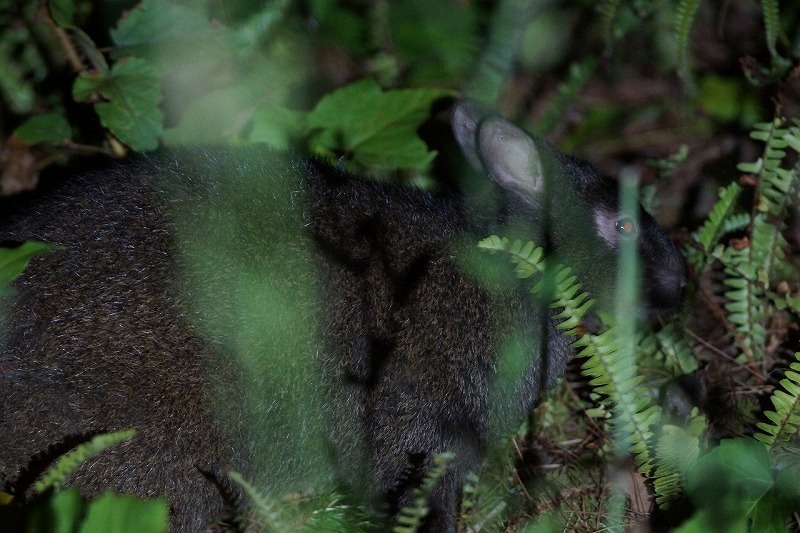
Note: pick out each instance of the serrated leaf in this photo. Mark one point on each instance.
(158, 26)
(375, 128)
(47, 127)
(132, 93)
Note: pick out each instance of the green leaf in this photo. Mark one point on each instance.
(156, 26)
(48, 127)
(277, 126)
(374, 128)
(132, 93)
(14, 260)
(734, 484)
(126, 513)
(68, 511)
(435, 40)
(63, 12)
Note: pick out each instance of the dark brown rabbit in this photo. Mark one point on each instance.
(251, 310)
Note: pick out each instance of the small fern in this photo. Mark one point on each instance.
(771, 24)
(677, 451)
(749, 265)
(617, 380)
(745, 305)
(611, 375)
(271, 514)
(769, 247)
(712, 230)
(58, 474)
(568, 91)
(684, 20)
(409, 519)
(786, 416)
(670, 347)
(774, 182)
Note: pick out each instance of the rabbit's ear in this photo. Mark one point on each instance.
(512, 158)
(466, 119)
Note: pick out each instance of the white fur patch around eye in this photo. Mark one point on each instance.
(606, 224)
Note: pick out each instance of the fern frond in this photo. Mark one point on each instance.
(469, 493)
(409, 519)
(567, 93)
(745, 304)
(57, 475)
(768, 248)
(670, 347)
(774, 182)
(573, 302)
(771, 23)
(676, 452)
(684, 20)
(786, 416)
(270, 512)
(792, 137)
(611, 373)
(712, 230)
(735, 222)
(615, 378)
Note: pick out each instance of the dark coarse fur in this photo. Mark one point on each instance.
(121, 328)
(98, 339)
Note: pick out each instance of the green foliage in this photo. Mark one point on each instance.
(270, 511)
(725, 99)
(53, 509)
(744, 301)
(750, 265)
(670, 347)
(68, 511)
(786, 416)
(185, 74)
(684, 20)
(377, 127)
(775, 184)
(771, 23)
(714, 227)
(735, 488)
(48, 127)
(409, 519)
(609, 11)
(611, 374)
(677, 451)
(59, 473)
(578, 75)
(131, 97)
(14, 260)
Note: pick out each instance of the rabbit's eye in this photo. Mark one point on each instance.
(626, 226)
